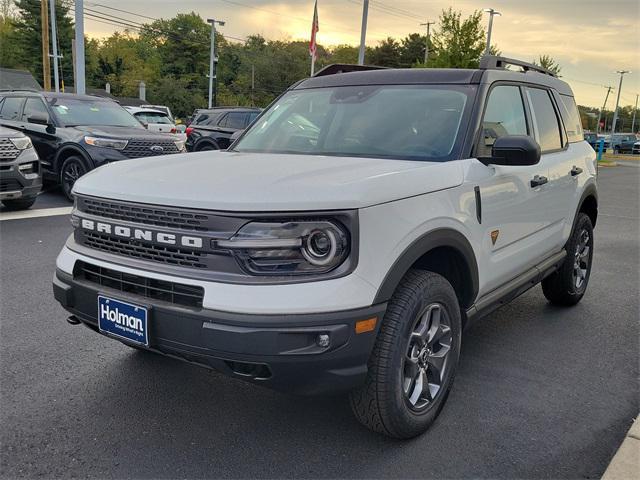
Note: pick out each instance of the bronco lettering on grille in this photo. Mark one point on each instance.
(141, 234)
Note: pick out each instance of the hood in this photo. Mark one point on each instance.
(125, 133)
(258, 182)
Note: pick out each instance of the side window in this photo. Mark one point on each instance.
(504, 115)
(251, 117)
(571, 118)
(34, 106)
(11, 108)
(234, 120)
(544, 119)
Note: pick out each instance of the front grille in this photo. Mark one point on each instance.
(178, 256)
(147, 215)
(143, 148)
(8, 151)
(175, 293)
(10, 185)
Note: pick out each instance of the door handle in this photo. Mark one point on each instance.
(575, 171)
(538, 180)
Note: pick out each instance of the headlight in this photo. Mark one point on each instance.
(21, 143)
(106, 142)
(179, 144)
(289, 248)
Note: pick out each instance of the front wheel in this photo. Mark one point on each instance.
(72, 169)
(568, 285)
(414, 360)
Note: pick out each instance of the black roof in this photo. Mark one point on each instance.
(397, 76)
(50, 95)
(13, 79)
(227, 109)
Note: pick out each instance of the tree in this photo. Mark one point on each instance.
(458, 43)
(344, 54)
(386, 53)
(8, 51)
(547, 61)
(412, 49)
(27, 35)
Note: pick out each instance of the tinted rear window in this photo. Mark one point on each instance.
(571, 118)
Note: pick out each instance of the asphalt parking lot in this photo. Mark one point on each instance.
(542, 392)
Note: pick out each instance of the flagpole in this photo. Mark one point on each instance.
(313, 64)
(312, 44)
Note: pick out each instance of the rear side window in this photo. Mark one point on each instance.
(571, 118)
(34, 106)
(503, 116)
(252, 116)
(234, 120)
(11, 108)
(544, 119)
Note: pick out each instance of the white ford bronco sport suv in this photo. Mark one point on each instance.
(347, 237)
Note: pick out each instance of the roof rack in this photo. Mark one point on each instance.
(495, 62)
(20, 90)
(344, 68)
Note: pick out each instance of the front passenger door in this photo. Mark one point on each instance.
(513, 220)
(43, 139)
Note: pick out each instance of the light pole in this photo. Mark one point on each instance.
(426, 48)
(363, 32)
(54, 41)
(212, 61)
(615, 112)
(491, 13)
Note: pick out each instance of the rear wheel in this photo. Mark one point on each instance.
(568, 285)
(72, 169)
(19, 203)
(414, 360)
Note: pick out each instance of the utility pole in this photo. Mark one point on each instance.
(426, 48)
(46, 64)
(78, 71)
(633, 122)
(604, 105)
(615, 112)
(213, 62)
(363, 31)
(54, 42)
(253, 83)
(491, 13)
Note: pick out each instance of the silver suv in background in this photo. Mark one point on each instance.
(20, 178)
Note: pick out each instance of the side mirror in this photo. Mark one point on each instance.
(39, 118)
(514, 150)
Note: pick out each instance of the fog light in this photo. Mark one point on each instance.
(323, 340)
(75, 221)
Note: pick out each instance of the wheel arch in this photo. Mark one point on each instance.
(589, 204)
(444, 251)
(69, 151)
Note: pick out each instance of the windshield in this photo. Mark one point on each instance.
(73, 111)
(413, 122)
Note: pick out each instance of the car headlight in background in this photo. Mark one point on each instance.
(106, 142)
(289, 248)
(21, 143)
(179, 144)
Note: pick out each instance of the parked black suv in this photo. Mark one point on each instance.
(77, 133)
(212, 129)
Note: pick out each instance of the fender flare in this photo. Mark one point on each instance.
(75, 149)
(589, 191)
(441, 237)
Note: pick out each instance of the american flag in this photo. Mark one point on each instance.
(314, 29)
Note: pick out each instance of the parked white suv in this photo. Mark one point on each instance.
(347, 237)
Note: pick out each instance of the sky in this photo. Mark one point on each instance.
(590, 39)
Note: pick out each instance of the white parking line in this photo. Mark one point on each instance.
(41, 212)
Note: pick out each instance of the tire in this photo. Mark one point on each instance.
(567, 286)
(391, 401)
(19, 203)
(206, 147)
(72, 169)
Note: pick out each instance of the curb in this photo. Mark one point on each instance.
(625, 464)
(607, 163)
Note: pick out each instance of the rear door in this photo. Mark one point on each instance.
(558, 160)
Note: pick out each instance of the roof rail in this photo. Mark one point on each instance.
(495, 62)
(20, 90)
(344, 68)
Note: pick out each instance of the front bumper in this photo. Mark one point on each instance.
(14, 183)
(277, 351)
